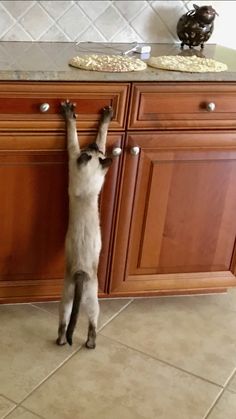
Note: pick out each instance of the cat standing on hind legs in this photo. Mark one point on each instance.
(87, 170)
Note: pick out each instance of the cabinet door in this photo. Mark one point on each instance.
(176, 216)
(33, 215)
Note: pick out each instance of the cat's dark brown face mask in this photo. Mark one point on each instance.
(93, 150)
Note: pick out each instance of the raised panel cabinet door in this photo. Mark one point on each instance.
(34, 213)
(176, 224)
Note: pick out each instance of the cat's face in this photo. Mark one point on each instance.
(91, 168)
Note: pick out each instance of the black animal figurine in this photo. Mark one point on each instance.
(195, 27)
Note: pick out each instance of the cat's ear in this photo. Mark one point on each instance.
(83, 158)
(105, 162)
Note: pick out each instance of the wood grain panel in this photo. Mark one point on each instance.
(20, 104)
(33, 217)
(199, 231)
(182, 213)
(178, 284)
(182, 106)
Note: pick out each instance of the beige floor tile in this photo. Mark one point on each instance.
(21, 413)
(225, 407)
(108, 308)
(223, 300)
(28, 350)
(5, 406)
(115, 382)
(191, 333)
(232, 385)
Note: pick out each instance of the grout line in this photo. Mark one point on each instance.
(30, 411)
(103, 325)
(169, 31)
(213, 404)
(229, 378)
(6, 397)
(50, 375)
(11, 409)
(69, 357)
(115, 315)
(91, 25)
(138, 37)
(18, 21)
(9, 413)
(220, 394)
(165, 362)
(231, 390)
(44, 309)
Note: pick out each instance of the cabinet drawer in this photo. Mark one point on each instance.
(20, 104)
(183, 106)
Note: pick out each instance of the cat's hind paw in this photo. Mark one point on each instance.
(60, 341)
(90, 345)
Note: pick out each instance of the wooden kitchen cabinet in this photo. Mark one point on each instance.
(33, 214)
(176, 224)
(176, 219)
(168, 204)
(33, 181)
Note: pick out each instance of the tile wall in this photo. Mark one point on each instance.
(102, 21)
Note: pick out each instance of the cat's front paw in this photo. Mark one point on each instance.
(68, 109)
(107, 114)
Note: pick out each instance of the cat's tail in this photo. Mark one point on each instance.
(79, 278)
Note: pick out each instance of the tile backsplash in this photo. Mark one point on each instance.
(102, 21)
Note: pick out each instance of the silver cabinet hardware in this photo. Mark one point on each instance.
(44, 107)
(116, 151)
(211, 106)
(135, 150)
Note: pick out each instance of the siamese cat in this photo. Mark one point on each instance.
(87, 170)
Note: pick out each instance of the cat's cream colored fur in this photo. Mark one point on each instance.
(87, 169)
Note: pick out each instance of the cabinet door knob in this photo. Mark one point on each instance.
(135, 150)
(211, 106)
(116, 151)
(44, 107)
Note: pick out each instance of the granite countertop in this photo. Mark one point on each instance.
(48, 61)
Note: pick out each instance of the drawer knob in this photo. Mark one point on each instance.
(116, 151)
(135, 150)
(211, 106)
(44, 107)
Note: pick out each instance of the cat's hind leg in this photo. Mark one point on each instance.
(90, 301)
(65, 309)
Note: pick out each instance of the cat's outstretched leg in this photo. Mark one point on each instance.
(90, 300)
(107, 114)
(65, 309)
(68, 109)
